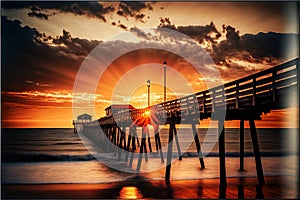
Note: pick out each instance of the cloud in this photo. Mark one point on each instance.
(30, 55)
(39, 84)
(139, 17)
(198, 33)
(259, 48)
(139, 33)
(164, 22)
(122, 26)
(42, 97)
(92, 9)
(133, 9)
(89, 9)
(268, 49)
(38, 15)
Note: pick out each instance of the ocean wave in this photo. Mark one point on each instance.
(67, 143)
(237, 154)
(38, 157)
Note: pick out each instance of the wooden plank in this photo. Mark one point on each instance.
(286, 74)
(245, 92)
(286, 82)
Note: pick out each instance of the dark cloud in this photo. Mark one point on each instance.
(259, 48)
(265, 49)
(90, 9)
(232, 35)
(137, 6)
(198, 33)
(139, 33)
(133, 9)
(124, 10)
(164, 22)
(36, 12)
(122, 26)
(38, 15)
(30, 55)
(140, 17)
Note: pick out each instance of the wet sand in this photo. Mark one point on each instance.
(137, 187)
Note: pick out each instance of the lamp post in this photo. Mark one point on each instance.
(165, 81)
(147, 130)
(148, 85)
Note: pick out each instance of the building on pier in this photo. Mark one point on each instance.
(81, 121)
(115, 109)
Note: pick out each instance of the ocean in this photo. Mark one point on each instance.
(46, 156)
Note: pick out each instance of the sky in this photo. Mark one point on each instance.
(62, 59)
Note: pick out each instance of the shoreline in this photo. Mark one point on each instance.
(137, 187)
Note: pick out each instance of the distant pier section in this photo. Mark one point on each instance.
(81, 121)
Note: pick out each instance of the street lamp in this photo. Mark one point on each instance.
(165, 81)
(148, 85)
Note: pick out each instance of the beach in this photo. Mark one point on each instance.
(134, 188)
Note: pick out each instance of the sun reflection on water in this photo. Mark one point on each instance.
(130, 192)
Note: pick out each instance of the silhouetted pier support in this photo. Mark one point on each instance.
(169, 153)
(158, 143)
(241, 191)
(242, 140)
(223, 180)
(242, 115)
(133, 135)
(122, 135)
(143, 148)
(259, 169)
(149, 141)
(198, 146)
(172, 134)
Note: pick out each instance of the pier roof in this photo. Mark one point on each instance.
(120, 106)
(84, 117)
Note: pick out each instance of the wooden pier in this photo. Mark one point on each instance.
(244, 99)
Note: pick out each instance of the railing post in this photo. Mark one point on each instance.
(223, 95)
(237, 96)
(194, 110)
(212, 101)
(204, 102)
(254, 92)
